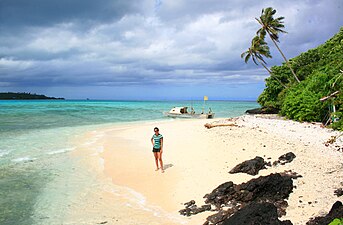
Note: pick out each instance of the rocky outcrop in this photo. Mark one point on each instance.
(256, 213)
(271, 188)
(228, 198)
(242, 201)
(252, 166)
(335, 212)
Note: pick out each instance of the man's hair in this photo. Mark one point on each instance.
(156, 128)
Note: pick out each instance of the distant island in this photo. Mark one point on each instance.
(24, 96)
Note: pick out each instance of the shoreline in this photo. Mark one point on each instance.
(197, 160)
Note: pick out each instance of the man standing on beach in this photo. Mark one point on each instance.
(157, 148)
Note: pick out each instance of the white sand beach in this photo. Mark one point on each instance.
(197, 160)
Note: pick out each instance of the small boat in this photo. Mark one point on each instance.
(182, 112)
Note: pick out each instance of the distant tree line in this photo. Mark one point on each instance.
(24, 96)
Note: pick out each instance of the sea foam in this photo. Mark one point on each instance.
(3, 153)
(59, 151)
(23, 159)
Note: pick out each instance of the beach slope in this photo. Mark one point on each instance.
(198, 159)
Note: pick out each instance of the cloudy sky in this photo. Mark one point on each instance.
(149, 49)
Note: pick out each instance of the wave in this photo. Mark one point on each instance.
(3, 153)
(23, 159)
(59, 151)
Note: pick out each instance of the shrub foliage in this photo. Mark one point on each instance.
(319, 71)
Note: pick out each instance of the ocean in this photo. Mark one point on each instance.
(37, 176)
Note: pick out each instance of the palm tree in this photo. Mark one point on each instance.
(257, 50)
(273, 27)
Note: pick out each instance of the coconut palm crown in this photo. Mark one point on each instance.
(257, 50)
(272, 27)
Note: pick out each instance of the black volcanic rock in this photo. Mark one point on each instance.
(335, 212)
(228, 198)
(189, 204)
(252, 166)
(219, 217)
(273, 189)
(286, 158)
(256, 214)
(339, 192)
(263, 110)
(191, 208)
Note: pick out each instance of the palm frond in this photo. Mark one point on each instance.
(260, 57)
(243, 54)
(247, 58)
(254, 59)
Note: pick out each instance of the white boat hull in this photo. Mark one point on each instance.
(190, 116)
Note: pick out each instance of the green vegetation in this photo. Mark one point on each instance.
(306, 88)
(337, 222)
(23, 96)
(320, 72)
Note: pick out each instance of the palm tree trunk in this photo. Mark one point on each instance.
(270, 72)
(284, 57)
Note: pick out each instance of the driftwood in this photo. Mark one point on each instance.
(333, 140)
(329, 96)
(209, 126)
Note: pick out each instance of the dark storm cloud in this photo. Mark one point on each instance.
(22, 13)
(168, 42)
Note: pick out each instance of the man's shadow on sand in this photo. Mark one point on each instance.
(167, 166)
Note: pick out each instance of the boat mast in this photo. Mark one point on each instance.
(205, 99)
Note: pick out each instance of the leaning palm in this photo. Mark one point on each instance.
(273, 27)
(257, 50)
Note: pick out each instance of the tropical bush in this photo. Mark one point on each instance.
(302, 102)
(319, 71)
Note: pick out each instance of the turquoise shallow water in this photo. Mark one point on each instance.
(36, 135)
(16, 116)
